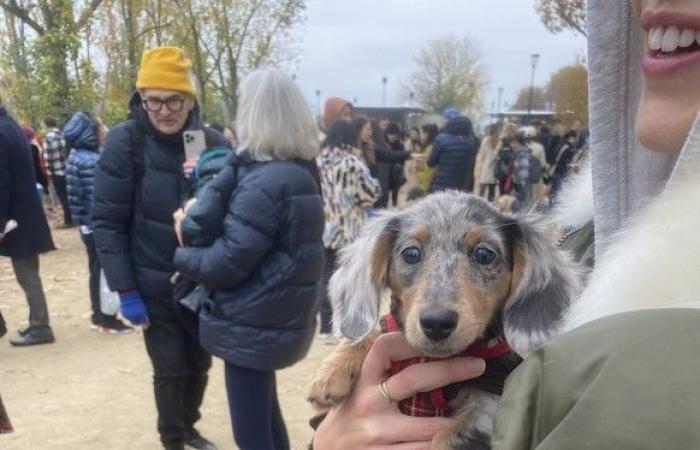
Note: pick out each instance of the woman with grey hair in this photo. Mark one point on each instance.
(260, 254)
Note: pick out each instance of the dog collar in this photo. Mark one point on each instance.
(437, 402)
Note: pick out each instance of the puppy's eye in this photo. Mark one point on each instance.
(484, 256)
(411, 255)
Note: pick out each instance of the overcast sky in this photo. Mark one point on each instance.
(349, 45)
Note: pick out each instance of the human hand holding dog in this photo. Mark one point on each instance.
(178, 217)
(367, 420)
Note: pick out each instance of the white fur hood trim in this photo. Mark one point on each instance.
(654, 263)
(574, 207)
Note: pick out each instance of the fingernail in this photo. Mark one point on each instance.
(475, 365)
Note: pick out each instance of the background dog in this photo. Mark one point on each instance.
(459, 273)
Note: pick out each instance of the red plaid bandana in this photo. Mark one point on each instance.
(436, 403)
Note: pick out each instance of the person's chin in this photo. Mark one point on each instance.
(663, 123)
(169, 129)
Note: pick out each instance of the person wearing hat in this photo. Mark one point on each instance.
(24, 230)
(139, 184)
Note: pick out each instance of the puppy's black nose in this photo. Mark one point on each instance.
(438, 324)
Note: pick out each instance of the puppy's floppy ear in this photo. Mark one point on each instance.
(357, 286)
(544, 283)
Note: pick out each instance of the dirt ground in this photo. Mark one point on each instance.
(94, 391)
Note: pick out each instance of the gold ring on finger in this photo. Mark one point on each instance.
(384, 391)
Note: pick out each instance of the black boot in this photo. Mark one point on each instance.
(195, 440)
(174, 446)
(34, 336)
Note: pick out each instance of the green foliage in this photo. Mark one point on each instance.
(40, 49)
(68, 55)
(560, 15)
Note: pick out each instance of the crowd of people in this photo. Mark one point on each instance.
(232, 257)
(248, 237)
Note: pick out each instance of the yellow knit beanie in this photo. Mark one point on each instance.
(165, 68)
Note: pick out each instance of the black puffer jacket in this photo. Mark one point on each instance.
(133, 211)
(264, 268)
(19, 199)
(454, 155)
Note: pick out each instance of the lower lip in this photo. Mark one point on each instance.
(655, 66)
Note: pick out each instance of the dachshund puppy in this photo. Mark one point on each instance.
(464, 279)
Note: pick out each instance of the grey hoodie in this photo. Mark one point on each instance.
(625, 174)
(645, 203)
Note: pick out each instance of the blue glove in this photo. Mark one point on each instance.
(133, 308)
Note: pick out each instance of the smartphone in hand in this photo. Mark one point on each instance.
(195, 143)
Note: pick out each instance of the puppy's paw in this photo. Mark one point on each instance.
(451, 440)
(336, 377)
(331, 385)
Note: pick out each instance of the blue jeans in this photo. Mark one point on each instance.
(255, 412)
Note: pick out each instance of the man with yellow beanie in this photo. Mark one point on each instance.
(139, 184)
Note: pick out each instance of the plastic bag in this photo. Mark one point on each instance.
(109, 301)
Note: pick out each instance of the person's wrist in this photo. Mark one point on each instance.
(129, 295)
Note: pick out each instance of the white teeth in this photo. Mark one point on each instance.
(671, 40)
(668, 40)
(656, 37)
(687, 38)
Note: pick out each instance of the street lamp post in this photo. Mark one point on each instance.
(500, 101)
(318, 102)
(535, 59)
(384, 81)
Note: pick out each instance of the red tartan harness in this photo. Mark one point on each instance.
(436, 403)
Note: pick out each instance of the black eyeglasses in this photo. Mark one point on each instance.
(155, 104)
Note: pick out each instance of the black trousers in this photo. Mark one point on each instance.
(59, 183)
(94, 281)
(180, 367)
(331, 265)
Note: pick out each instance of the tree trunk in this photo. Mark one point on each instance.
(199, 62)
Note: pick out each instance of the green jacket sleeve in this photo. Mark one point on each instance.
(627, 381)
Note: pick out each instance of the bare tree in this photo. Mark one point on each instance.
(241, 35)
(560, 15)
(449, 74)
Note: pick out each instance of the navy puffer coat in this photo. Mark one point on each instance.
(19, 199)
(81, 135)
(264, 268)
(454, 155)
(132, 214)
